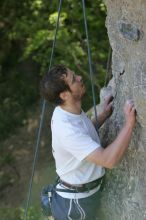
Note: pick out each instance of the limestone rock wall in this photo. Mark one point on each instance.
(124, 193)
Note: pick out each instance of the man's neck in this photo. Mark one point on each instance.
(74, 108)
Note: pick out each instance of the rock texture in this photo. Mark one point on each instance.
(124, 193)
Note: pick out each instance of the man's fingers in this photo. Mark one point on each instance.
(133, 110)
(130, 102)
(110, 104)
(109, 99)
(129, 107)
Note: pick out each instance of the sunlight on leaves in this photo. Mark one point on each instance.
(53, 18)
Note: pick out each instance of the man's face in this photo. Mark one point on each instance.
(76, 85)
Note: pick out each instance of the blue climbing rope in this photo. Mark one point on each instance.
(41, 119)
(90, 64)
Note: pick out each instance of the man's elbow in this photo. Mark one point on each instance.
(110, 164)
(107, 165)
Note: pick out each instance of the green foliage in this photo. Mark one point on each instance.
(16, 94)
(9, 213)
(28, 29)
(37, 42)
(18, 213)
(6, 159)
(32, 213)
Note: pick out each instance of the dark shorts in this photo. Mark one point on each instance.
(81, 209)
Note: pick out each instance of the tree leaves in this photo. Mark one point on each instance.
(27, 30)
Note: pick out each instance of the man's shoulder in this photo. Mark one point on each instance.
(66, 123)
(59, 115)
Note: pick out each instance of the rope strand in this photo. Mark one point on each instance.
(90, 63)
(41, 119)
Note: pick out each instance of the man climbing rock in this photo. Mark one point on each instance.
(79, 157)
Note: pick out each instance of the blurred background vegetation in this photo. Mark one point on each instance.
(27, 31)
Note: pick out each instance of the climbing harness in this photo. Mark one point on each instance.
(47, 192)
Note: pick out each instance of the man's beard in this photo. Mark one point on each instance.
(79, 97)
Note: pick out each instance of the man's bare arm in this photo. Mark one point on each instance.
(111, 155)
(106, 113)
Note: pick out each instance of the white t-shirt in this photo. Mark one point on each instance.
(73, 139)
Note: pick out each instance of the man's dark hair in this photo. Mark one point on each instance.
(53, 83)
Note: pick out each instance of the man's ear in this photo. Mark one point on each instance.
(64, 95)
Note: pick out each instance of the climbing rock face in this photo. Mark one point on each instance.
(124, 193)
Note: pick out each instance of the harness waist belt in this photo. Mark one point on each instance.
(81, 187)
